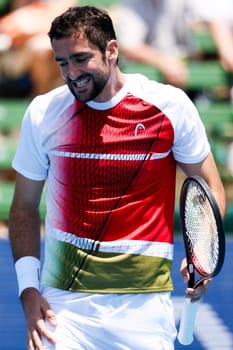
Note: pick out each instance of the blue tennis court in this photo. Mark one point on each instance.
(214, 326)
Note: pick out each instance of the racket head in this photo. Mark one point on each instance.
(202, 228)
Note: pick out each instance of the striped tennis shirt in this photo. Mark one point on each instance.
(110, 171)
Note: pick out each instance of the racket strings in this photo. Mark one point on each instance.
(201, 231)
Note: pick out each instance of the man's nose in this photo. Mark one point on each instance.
(73, 70)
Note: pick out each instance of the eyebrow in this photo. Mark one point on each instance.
(74, 56)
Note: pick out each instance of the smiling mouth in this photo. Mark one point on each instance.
(81, 83)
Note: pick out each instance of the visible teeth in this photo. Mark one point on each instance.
(81, 83)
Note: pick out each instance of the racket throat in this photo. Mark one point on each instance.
(201, 281)
(191, 271)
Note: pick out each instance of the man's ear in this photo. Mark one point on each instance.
(112, 51)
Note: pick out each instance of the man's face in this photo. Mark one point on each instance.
(83, 67)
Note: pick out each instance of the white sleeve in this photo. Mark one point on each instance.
(30, 158)
(191, 144)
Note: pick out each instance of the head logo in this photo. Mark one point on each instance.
(139, 129)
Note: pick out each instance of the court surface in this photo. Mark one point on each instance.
(214, 324)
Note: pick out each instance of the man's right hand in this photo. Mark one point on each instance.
(37, 310)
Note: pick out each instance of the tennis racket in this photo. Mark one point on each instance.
(204, 243)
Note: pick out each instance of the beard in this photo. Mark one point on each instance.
(95, 85)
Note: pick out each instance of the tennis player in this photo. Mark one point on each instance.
(107, 145)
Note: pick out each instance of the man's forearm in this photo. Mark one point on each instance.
(24, 232)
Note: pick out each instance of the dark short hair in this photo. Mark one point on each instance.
(94, 23)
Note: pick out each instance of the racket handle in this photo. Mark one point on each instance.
(185, 334)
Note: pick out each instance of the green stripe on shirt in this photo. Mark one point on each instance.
(102, 272)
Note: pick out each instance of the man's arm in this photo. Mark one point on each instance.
(207, 169)
(24, 231)
(173, 69)
(223, 38)
(24, 219)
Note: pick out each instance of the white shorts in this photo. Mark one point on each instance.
(111, 321)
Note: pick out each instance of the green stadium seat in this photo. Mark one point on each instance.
(202, 74)
(131, 67)
(218, 118)
(100, 3)
(6, 195)
(7, 151)
(203, 41)
(206, 75)
(11, 114)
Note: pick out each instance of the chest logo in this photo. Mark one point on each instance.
(139, 129)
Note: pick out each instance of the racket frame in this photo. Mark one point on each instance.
(187, 322)
(221, 235)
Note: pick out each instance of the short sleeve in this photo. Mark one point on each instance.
(191, 143)
(30, 158)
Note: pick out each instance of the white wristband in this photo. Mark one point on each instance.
(28, 273)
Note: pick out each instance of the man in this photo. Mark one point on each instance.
(107, 145)
(217, 18)
(27, 50)
(158, 36)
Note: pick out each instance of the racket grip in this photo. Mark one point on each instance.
(187, 322)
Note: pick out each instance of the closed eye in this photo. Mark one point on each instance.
(62, 63)
(80, 58)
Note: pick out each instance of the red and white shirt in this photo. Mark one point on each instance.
(110, 171)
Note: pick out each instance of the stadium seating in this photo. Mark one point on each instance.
(202, 74)
(203, 41)
(6, 195)
(11, 112)
(100, 3)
